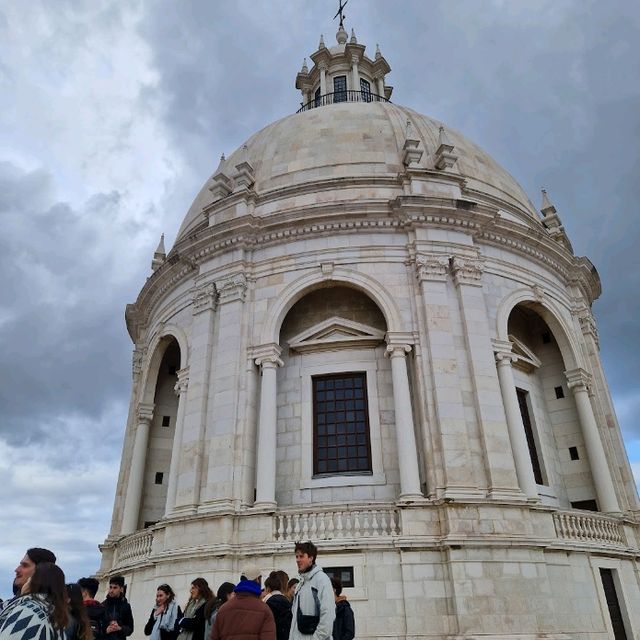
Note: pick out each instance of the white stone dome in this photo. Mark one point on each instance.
(357, 140)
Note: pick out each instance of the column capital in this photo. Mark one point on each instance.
(137, 359)
(183, 381)
(588, 324)
(578, 379)
(467, 270)
(233, 288)
(397, 350)
(267, 355)
(432, 267)
(205, 298)
(503, 351)
(145, 412)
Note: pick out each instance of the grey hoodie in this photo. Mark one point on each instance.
(303, 599)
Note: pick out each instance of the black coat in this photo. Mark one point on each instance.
(165, 634)
(97, 618)
(281, 608)
(344, 626)
(118, 609)
(195, 624)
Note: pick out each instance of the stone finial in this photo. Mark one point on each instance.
(445, 157)
(378, 54)
(411, 150)
(342, 35)
(221, 186)
(353, 39)
(552, 223)
(547, 208)
(244, 176)
(321, 44)
(159, 256)
(304, 69)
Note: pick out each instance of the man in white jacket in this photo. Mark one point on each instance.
(314, 608)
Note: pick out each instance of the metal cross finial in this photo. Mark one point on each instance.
(341, 6)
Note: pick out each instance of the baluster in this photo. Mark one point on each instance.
(313, 529)
(280, 532)
(296, 526)
(289, 527)
(321, 527)
(348, 525)
(356, 524)
(374, 523)
(330, 515)
(395, 525)
(366, 527)
(383, 524)
(339, 531)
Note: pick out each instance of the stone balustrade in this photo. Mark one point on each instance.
(356, 522)
(588, 528)
(134, 548)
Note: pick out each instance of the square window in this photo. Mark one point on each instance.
(344, 574)
(159, 477)
(546, 337)
(166, 421)
(559, 392)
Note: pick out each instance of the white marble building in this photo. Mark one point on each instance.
(367, 336)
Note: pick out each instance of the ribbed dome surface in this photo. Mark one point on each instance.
(355, 140)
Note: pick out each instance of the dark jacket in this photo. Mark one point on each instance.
(97, 617)
(244, 617)
(281, 608)
(195, 623)
(344, 626)
(165, 634)
(118, 609)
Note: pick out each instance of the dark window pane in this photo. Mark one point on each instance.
(330, 406)
(359, 404)
(330, 395)
(348, 393)
(320, 384)
(322, 466)
(351, 416)
(340, 416)
(352, 451)
(331, 429)
(342, 465)
(358, 382)
(358, 393)
(362, 451)
(362, 438)
(341, 440)
(340, 394)
(351, 440)
(332, 465)
(330, 382)
(322, 442)
(320, 418)
(320, 395)
(363, 464)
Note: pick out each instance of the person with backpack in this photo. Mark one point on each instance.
(344, 626)
(95, 610)
(314, 608)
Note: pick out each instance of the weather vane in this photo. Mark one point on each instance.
(341, 6)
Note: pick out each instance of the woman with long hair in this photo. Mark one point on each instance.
(275, 587)
(40, 611)
(79, 627)
(163, 621)
(192, 625)
(224, 593)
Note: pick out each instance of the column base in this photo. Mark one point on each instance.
(409, 498)
(510, 495)
(461, 494)
(264, 507)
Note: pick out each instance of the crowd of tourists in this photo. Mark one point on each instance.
(310, 606)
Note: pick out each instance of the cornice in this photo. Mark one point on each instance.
(374, 215)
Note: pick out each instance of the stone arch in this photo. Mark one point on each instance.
(339, 276)
(157, 347)
(552, 313)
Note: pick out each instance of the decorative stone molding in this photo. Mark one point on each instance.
(444, 158)
(398, 343)
(578, 379)
(183, 381)
(538, 293)
(233, 288)
(205, 298)
(245, 175)
(267, 354)
(336, 332)
(136, 361)
(411, 152)
(397, 350)
(327, 268)
(145, 412)
(432, 267)
(467, 270)
(588, 324)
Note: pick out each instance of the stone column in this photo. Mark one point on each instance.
(323, 78)
(380, 83)
(355, 74)
(405, 432)
(499, 466)
(517, 435)
(176, 450)
(455, 473)
(136, 472)
(268, 361)
(578, 381)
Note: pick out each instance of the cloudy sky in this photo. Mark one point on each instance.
(112, 115)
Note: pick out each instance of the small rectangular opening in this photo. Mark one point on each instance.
(546, 337)
(149, 523)
(344, 574)
(159, 477)
(573, 452)
(613, 604)
(559, 392)
(585, 505)
(166, 421)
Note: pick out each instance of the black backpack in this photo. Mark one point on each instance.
(307, 625)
